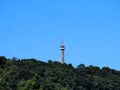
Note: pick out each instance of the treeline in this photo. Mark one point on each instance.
(31, 74)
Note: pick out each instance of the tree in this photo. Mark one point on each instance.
(2, 60)
(80, 66)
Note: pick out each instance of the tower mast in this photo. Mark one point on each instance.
(62, 48)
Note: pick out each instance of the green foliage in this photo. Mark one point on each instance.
(2, 60)
(31, 74)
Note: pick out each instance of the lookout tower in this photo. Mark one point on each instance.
(62, 48)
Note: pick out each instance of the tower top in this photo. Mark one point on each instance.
(62, 46)
(62, 42)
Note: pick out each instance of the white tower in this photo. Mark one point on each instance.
(62, 48)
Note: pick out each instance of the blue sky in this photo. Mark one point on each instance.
(34, 29)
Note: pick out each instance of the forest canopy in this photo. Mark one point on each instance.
(32, 74)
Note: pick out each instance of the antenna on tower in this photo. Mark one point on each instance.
(62, 41)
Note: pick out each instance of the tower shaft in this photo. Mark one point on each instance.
(62, 48)
(62, 56)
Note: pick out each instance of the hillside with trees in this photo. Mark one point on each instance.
(32, 74)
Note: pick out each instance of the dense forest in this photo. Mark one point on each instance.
(32, 74)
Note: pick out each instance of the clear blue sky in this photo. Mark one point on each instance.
(34, 29)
